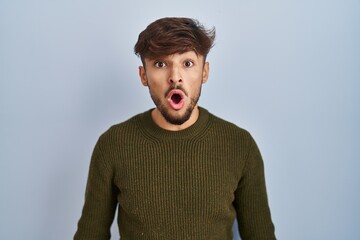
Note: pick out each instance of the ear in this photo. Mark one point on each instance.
(142, 74)
(205, 73)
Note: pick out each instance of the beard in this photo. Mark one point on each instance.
(176, 120)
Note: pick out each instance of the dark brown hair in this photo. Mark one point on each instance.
(168, 36)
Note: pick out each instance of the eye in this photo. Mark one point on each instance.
(188, 63)
(160, 64)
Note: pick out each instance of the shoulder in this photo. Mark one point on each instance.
(232, 137)
(228, 128)
(122, 131)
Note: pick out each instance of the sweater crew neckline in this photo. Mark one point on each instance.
(154, 131)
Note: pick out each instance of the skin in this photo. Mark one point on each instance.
(185, 71)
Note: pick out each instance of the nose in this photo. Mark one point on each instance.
(175, 75)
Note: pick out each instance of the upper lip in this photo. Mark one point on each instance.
(175, 91)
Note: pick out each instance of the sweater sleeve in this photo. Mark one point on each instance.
(100, 199)
(251, 203)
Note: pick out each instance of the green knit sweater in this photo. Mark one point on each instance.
(188, 184)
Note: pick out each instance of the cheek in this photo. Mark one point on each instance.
(195, 87)
(193, 76)
(156, 86)
(197, 79)
(158, 78)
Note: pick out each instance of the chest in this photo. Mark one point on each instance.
(194, 176)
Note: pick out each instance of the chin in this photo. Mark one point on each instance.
(177, 118)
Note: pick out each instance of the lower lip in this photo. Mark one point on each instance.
(176, 106)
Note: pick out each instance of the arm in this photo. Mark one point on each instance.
(100, 200)
(251, 203)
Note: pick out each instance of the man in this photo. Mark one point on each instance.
(175, 171)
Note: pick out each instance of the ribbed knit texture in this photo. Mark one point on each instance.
(188, 184)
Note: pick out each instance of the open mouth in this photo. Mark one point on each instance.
(176, 98)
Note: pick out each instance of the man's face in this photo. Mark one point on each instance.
(174, 83)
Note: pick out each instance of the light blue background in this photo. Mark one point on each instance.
(287, 71)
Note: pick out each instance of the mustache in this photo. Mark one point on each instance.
(176, 87)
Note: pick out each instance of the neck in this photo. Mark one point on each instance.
(159, 119)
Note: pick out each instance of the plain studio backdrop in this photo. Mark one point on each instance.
(287, 71)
